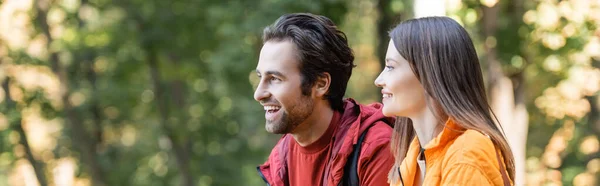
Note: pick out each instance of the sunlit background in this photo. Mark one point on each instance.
(155, 92)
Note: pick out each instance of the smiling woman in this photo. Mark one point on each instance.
(445, 133)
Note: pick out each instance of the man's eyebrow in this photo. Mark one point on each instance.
(271, 72)
(276, 73)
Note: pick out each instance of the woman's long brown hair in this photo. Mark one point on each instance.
(443, 58)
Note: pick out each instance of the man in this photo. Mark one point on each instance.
(304, 68)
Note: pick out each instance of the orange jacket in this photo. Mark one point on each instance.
(455, 157)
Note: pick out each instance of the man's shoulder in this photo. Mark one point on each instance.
(380, 131)
(377, 139)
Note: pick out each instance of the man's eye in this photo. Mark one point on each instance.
(388, 68)
(274, 79)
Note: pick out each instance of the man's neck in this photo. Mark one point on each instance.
(315, 126)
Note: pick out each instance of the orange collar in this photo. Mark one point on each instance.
(408, 168)
(451, 131)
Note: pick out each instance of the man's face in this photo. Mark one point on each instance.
(279, 90)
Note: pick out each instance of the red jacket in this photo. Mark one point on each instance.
(355, 119)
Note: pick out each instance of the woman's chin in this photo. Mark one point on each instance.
(393, 112)
(387, 112)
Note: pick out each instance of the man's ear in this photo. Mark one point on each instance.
(322, 84)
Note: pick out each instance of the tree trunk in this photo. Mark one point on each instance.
(425, 8)
(507, 99)
(80, 138)
(181, 154)
(11, 106)
(387, 20)
(517, 137)
(87, 57)
(384, 24)
(521, 119)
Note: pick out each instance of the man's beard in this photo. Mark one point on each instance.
(290, 120)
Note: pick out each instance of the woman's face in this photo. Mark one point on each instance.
(402, 92)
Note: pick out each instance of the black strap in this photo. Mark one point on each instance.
(503, 170)
(400, 175)
(351, 168)
(262, 176)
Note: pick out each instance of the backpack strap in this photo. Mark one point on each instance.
(502, 170)
(351, 168)
(283, 157)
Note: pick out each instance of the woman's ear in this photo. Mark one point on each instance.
(322, 84)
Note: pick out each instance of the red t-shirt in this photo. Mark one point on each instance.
(306, 165)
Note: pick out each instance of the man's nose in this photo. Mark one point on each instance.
(261, 93)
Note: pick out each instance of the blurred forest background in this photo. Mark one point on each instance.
(155, 92)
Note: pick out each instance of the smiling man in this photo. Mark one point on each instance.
(304, 68)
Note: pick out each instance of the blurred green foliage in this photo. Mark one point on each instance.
(149, 92)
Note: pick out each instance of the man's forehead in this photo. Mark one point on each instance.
(278, 49)
(277, 56)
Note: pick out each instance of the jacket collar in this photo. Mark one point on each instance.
(408, 169)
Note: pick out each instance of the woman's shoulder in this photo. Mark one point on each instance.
(473, 153)
(470, 147)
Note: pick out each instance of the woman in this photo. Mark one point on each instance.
(445, 133)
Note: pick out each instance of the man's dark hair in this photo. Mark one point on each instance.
(321, 48)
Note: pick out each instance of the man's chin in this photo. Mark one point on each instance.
(272, 128)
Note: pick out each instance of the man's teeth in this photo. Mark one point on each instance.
(272, 108)
(387, 95)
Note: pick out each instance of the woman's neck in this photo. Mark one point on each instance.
(426, 125)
